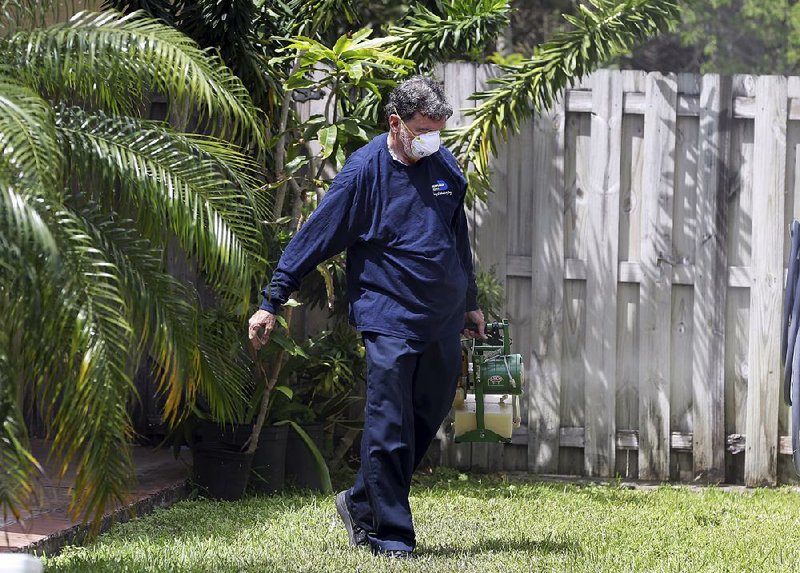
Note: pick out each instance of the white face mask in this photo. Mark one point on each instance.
(422, 145)
(425, 144)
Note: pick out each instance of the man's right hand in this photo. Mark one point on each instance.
(261, 319)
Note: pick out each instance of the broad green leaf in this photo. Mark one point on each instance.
(340, 158)
(295, 164)
(355, 71)
(285, 390)
(352, 127)
(298, 81)
(327, 139)
(341, 44)
(312, 127)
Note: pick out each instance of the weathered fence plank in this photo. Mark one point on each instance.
(739, 196)
(601, 274)
(684, 231)
(488, 222)
(708, 373)
(766, 293)
(577, 182)
(547, 292)
(627, 395)
(656, 286)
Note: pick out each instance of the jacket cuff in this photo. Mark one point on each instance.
(270, 306)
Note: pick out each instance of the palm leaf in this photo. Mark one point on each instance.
(460, 28)
(316, 16)
(164, 313)
(29, 150)
(609, 28)
(465, 27)
(23, 226)
(109, 58)
(22, 14)
(18, 468)
(224, 370)
(66, 255)
(86, 410)
(171, 188)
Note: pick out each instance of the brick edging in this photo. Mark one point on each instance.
(77, 534)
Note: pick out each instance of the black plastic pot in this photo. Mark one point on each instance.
(220, 471)
(301, 470)
(268, 472)
(232, 436)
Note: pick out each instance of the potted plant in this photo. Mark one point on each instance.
(249, 451)
(268, 395)
(224, 450)
(327, 380)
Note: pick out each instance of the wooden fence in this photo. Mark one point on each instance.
(640, 228)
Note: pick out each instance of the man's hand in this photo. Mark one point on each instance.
(475, 317)
(261, 319)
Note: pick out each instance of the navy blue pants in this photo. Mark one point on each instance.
(410, 389)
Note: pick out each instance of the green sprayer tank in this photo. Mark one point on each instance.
(487, 401)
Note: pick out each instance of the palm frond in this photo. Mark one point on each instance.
(18, 468)
(164, 310)
(165, 10)
(77, 361)
(105, 57)
(172, 188)
(606, 29)
(29, 151)
(315, 16)
(223, 368)
(22, 14)
(240, 170)
(165, 313)
(90, 426)
(23, 226)
(98, 282)
(465, 27)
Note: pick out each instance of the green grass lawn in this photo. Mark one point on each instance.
(469, 523)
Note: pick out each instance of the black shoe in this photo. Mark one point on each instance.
(355, 533)
(395, 554)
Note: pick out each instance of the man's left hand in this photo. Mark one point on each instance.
(475, 317)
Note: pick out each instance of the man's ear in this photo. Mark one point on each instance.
(394, 122)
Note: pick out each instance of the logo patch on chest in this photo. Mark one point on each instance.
(441, 188)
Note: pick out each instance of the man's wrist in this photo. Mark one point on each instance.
(270, 306)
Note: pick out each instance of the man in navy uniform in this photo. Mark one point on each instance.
(397, 207)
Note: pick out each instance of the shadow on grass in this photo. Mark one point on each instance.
(534, 546)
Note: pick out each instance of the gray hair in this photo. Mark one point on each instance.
(419, 94)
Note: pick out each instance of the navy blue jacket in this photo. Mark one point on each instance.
(409, 262)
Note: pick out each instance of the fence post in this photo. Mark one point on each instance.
(766, 293)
